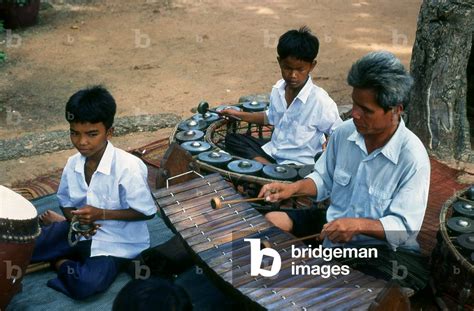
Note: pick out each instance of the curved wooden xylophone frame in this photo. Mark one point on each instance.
(216, 238)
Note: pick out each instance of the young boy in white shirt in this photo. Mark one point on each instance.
(300, 111)
(101, 186)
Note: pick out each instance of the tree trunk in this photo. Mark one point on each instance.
(437, 112)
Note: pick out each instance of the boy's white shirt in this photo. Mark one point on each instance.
(120, 182)
(299, 129)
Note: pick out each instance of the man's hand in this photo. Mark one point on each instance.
(88, 214)
(275, 192)
(229, 112)
(341, 230)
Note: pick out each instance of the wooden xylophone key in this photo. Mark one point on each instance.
(183, 188)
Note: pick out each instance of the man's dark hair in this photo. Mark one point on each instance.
(94, 105)
(152, 294)
(386, 75)
(301, 44)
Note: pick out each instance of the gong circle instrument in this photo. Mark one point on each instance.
(195, 147)
(280, 172)
(217, 240)
(189, 135)
(246, 167)
(463, 209)
(216, 158)
(452, 260)
(305, 171)
(211, 160)
(207, 117)
(19, 229)
(254, 106)
(192, 124)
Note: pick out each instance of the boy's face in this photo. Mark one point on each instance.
(295, 71)
(89, 138)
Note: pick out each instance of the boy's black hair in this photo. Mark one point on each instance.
(94, 105)
(301, 44)
(152, 294)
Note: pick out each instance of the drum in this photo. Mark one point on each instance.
(451, 260)
(190, 135)
(463, 209)
(246, 167)
(280, 172)
(195, 147)
(18, 230)
(217, 240)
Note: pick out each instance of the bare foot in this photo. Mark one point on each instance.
(49, 217)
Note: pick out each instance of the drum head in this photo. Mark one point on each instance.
(280, 172)
(195, 147)
(215, 158)
(246, 167)
(464, 209)
(189, 135)
(460, 225)
(255, 106)
(466, 241)
(192, 124)
(14, 206)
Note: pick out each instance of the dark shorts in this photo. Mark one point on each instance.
(307, 221)
(246, 146)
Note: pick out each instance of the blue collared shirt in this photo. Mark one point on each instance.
(120, 182)
(391, 184)
(299, 129)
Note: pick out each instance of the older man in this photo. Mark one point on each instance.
(375, 171)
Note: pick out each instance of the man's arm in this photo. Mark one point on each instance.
(67, 212)
(278, 191)
(342, 230)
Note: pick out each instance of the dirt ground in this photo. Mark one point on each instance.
(166, 56)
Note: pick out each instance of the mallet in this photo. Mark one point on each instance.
(216, 202)
(203, 107)
(267, 244)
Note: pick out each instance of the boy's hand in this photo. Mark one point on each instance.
(88, 214)
(91, 232)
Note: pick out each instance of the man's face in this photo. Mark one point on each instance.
(295, 71)
(89, 138)
(369, 118)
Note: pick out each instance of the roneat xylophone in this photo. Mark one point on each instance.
(216, 237)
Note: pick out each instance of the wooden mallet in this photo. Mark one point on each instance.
(267, 244)
(217, 203)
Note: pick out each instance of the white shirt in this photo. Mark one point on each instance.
(120, 182)
(391, 184)
(299, 129)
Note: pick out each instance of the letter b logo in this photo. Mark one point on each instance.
(256, 258)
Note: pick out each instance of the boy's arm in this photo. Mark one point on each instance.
(89, 214)
(250, 117)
